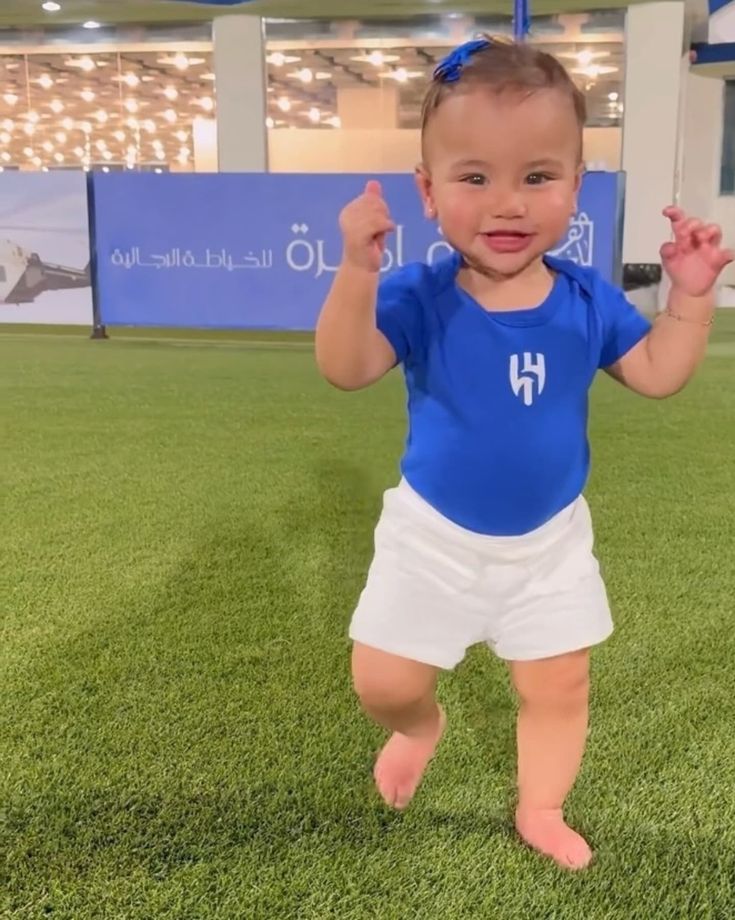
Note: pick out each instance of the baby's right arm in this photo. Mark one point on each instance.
(351, 352)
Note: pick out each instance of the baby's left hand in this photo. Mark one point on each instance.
(695, 258)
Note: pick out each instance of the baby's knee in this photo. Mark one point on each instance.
(383, 681)
(376, 693)
(562, 683)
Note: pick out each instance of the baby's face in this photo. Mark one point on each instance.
(502, 172)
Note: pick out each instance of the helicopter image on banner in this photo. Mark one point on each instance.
(24, 275)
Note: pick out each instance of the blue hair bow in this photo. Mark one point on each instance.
(449, 70)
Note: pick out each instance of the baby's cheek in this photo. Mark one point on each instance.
(458, 213)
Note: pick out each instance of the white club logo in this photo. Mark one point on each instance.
(522, 381)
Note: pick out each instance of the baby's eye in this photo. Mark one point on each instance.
(474, 179)
(538, 178)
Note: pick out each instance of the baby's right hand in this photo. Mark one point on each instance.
(364, 224)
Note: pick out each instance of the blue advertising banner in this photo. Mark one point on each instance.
(260, 250)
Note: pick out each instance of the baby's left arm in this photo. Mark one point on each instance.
(664, 361)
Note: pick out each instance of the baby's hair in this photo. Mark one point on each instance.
(500, 64)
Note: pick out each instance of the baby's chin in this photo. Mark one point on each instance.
(503, 265)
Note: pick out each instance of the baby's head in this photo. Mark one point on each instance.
(501, 153)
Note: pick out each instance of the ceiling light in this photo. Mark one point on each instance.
(284, 104)
(613, 97)
(10, 98)
(182, 136)
(305, 75)
(207, 103)
(160, 155)
(132, 123)
(45, 81)
(170, 116)
(85, 126)
(48, 146)
(585, 57)
(102, 117)
(314, 115)
(335, 121)
(33, 116)
(119, 136)
(322, 75)
(131, 79)
(61, 137)
(593, 71)
(376, 58)
(59, 157)
(401, 75)
(57, 106)
(5, 156)
(131, 105)
(78, 152)
(5, 138)
(84, 63)
(278, 59)
(105, 169)
(87, 95)
(91, 24)
(149, 125)
(68, 124)
(107, 155)
(158, 170)
(29, 152)
(180, 61)
(100, 145)
(8, 124)
(50, 6)
(171, 93)
(269, 123)
(29, 128)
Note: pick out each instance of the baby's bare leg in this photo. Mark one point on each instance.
(398, 693)
(552, 731)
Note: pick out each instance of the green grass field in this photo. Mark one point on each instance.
(186, 523)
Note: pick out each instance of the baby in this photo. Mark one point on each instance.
(488, 537)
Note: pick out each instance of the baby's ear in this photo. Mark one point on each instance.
(578, 179)
(424, 185)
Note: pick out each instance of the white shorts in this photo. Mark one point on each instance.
(434, 588)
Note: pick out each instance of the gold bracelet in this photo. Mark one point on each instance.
(686, 319)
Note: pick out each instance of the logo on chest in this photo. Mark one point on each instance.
(528, 381)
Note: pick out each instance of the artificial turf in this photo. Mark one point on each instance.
(186, 524)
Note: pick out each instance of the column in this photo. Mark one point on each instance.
(655, 51)
(240, 85)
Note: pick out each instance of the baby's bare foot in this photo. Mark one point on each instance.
(402, 762)
(547, 832)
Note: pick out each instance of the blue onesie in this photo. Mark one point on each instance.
(498, 401)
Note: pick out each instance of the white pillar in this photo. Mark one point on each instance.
(240, 85)
(655, 49)
(702, 145)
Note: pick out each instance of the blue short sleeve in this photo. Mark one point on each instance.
(399, 312)
(622, 325)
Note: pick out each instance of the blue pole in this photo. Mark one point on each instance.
(521, 19)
